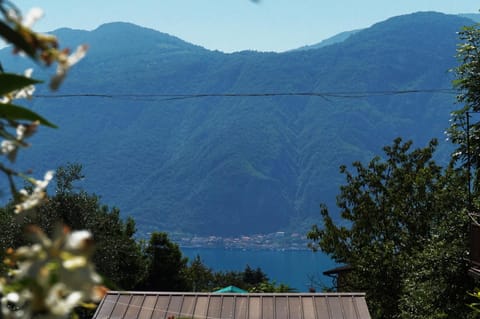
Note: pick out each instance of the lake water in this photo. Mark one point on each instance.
(296, 268)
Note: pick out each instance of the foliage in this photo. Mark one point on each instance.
(169, 270)
(229, 278)
(199, 276)
(202, 278)
(124, 262)
(253, 277)
(436, 282)
(465, 124)
(205, 279)
(118, 255)
(247, 279)
(467, 83)
(49, 277)
(271, 286)
(475, 306)
(166, 266)
(399, 214)
(42, 48)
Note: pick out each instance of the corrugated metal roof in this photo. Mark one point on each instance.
(156, 305)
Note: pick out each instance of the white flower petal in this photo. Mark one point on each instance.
(77, 55)
(28, 72)
(75, 262)
(7, 146)
(21, 132)
(32, 16)
(77, 239)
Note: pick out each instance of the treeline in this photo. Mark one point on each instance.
(404, 233)
(405, 221)
(126, 263)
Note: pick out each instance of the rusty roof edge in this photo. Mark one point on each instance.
(99, 306)
(179, 293)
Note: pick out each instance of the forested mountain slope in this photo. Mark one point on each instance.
(242, 164)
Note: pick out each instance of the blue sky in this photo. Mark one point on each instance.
(234, 25)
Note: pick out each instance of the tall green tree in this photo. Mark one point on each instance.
(118, 256)
(166, 265)
(254, 276)
(402, 226)
(436, 282)
(464, 130)
(199, 276)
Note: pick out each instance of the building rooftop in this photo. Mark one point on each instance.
(153, 305)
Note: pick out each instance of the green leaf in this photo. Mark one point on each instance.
(16, 39)
(15, 112)
(11, 82)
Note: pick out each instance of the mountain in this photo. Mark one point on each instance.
(231, 165)
(338, 38)
(472, 16)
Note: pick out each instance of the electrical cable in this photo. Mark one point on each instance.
(182, 96)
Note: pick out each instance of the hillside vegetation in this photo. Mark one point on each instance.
(241, 165)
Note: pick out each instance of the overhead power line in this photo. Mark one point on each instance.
(326, 95)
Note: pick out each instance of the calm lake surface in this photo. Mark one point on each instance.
(295, 268)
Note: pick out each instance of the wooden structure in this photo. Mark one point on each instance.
(475, 250)
(340, 277)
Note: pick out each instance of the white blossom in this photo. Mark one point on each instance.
(78, 240)
(32, 16)
(21, 129)
(14, 305)
(61, 301)
(23, 93)
(37, 196)
(13, 15)
(77, 55)
(75, 262)
(65, 63)
(7, 147)
(41, 185)
(63, 278)
(26, 92)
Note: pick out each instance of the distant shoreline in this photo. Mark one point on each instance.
(279, 241)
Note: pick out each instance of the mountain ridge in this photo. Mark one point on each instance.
(242, 165)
